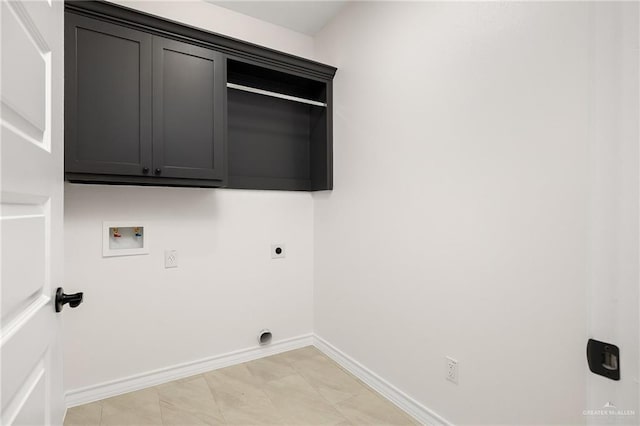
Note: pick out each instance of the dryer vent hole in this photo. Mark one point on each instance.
(264, 338)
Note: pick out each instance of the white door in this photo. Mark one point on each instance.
(613, 292)
(31, 191)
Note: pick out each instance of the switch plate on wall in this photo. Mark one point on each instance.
(451, 370)
(170, 258)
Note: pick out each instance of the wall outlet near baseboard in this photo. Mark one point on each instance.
(451, 370)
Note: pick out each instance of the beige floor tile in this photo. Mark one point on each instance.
(188, 402)
(329, 379)
(270, 368)
(301, 387)
(135, 408)
(300, 404)
(234, 386)
(335, 386)
(184, 392)
(241, 398)
(256, 412)
(84, 415)
(371, 409)
(174, 416)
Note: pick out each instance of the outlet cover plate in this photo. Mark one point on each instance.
(451, 370)
(170, 259)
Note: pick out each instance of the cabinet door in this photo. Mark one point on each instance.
(107, 98)
(189, 86)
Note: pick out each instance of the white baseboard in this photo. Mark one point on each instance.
(406, 403)
(152, 378)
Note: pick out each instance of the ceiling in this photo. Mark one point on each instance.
(307, 17)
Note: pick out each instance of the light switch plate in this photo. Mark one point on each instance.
(170, 259)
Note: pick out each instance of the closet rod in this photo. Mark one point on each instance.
(274, 94)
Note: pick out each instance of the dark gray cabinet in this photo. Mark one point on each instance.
(277, 129)
(108, 98)
(140, 108)
(188, 111)
(152, 102)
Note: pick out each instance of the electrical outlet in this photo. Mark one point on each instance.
(277, 251)
(451, 370)
(170, 259)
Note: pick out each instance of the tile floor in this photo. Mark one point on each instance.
(300, 387)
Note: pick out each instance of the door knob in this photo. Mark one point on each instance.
(72, 299)
(158, 171)
(145, 170)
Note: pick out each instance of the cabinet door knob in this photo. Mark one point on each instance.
(158, 171)
(145, 170)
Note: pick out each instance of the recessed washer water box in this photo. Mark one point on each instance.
(124, 238)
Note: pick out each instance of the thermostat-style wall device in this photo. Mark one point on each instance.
(124, 238)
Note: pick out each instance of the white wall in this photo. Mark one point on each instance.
(224, 21)
(138, 316)
(460, 219)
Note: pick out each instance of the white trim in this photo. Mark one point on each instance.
(163, 375)
(406, 403)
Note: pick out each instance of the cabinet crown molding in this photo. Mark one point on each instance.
(166, 28)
